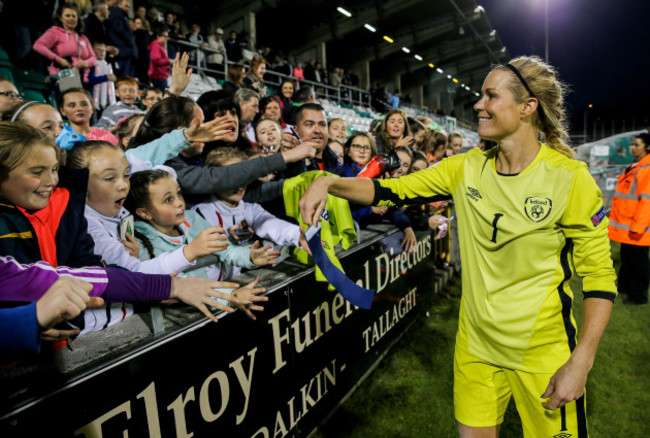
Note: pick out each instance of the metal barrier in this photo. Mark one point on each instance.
(342, 93)
(607, 178)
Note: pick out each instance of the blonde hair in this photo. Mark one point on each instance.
(550, 118)
(221, 155)
(17, 140)
(80, 155)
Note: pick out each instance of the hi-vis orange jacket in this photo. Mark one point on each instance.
(631, 205)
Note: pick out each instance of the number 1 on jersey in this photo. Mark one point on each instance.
(497, 216)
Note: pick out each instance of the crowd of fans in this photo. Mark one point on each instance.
(155, 183)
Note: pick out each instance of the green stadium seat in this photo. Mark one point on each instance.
(34, 95)
(31, 80)
(6, 72)
(221, 81)
(4, 59)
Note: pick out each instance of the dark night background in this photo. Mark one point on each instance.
(600, 48)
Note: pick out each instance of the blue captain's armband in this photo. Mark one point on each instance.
(598, 217)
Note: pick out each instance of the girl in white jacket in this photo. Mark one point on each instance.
(228, 210)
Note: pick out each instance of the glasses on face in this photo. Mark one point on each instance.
(10, 94)
(153, 98)
(361, 147)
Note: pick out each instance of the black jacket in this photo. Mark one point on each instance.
(74, 246)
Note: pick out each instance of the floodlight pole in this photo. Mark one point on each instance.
(546, 26)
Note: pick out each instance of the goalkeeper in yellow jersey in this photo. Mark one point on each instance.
(528, 216)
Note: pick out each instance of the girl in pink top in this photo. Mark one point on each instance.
(61, 42)
(77, 107)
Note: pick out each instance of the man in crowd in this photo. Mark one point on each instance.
(249, 106)
(121, 36)
(311, 125)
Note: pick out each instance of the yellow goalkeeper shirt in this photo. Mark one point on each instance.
(520, 238)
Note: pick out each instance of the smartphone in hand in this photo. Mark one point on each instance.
(245, 232)
(126, 226)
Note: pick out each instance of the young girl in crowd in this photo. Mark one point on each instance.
(420, 133)
(163, 225)
(338, 149)
(419, 162)
(108, 186)
(455, 144)
(37, 114)
(394, 131)
(227, 209)
(77, 106)
(338, 130)
(269, 135)
(41, 212)
(359, 149)
(126, 129)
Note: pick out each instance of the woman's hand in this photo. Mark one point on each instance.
(263, 256)
(81, 64)
(180, 74)
(249, 295)
(209, 240)
(379, 210)
(213, 130)
(64, 63)
(198, 292)
(131, 245)
(566, 385)
(409, 243)
(314, 200)
(405, 141)
(436, 220)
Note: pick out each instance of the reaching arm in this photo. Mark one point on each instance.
(314, 200)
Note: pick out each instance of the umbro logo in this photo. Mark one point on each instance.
(473, 194)
(562, 435)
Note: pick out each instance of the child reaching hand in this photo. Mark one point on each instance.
(163, 225)
(227, 209)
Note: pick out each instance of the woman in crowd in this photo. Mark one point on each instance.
(529, 213)
(255, 77)
(9, 95)
(270, 106)
(394, 131)
(236, 73)
(159, 62)
(629, 222)
(77, 106)
(64, 43)
(287, 89)
(142, 34)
